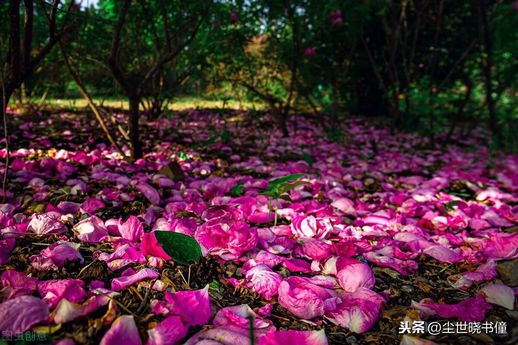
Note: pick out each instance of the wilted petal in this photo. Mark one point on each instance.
(305, 299)
(45, 223)
(218, 336)
(122, 332)
(149, 192)
(168, 332)
(67, 311)
(150, 246)
(19, 314)
(499, 294)
(345, 205)
(264, 281)
(53, 291)
(483, 272)
(353, 275)
(358, 311)
(91, 205)
(471, 309)
(5, 248)
(294, 337)
(237, 318)
(131, 229)
(56, 255)
(91, 229)
(443, 254)
(193, 306)
(123, 282)
(17, 284)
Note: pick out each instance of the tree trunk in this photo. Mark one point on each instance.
(487, 65)
(136, 146)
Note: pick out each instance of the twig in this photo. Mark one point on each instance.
(146, 296)
(118, 303)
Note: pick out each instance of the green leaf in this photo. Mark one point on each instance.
(237, 190)
(181, 248)
(285, 187)
(214, 285)
(182, 156)
(450, 206)
(309, 159)
(284, 179)
(285, 197)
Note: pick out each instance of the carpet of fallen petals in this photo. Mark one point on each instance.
(389, 229)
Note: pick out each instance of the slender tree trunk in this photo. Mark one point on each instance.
(134, 102)
(487, 65)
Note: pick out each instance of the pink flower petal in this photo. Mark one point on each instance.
(56, 255)
(237, 319)
(5, 248)
(168, 332)
(19, 314)
(226, 238)
(67, 311)
(131, 229)
(91, 229)
(45, 223)
(149, 192)
(91, 205)
(345, 205)
(358, 311)
(150, 246)
(264, 281)
(123, 282)
(305, 299)
(193, 306)
(16, 284)
(308, 226)
(499, 294)
(471, 309)
(218, 336)
(123, 331)
(353, 276)
(53, 291)
(443, 254)
(294, 337)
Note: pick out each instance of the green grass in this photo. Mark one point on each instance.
(178, 104)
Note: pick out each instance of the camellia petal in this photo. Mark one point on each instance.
(294, 337)
(149, 192)
(168, 332)
(56, 255)
(123, 331)
(91, 229)
(305, 299)
(471, 309)
(53, 291)
(264, 281)
(499, 294)
(193, 306)
(131, 229)
(16, 283)
(19, 314)
(123, 282)
(358, 311)
(353, 276)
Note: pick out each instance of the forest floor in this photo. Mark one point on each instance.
(389, 230)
